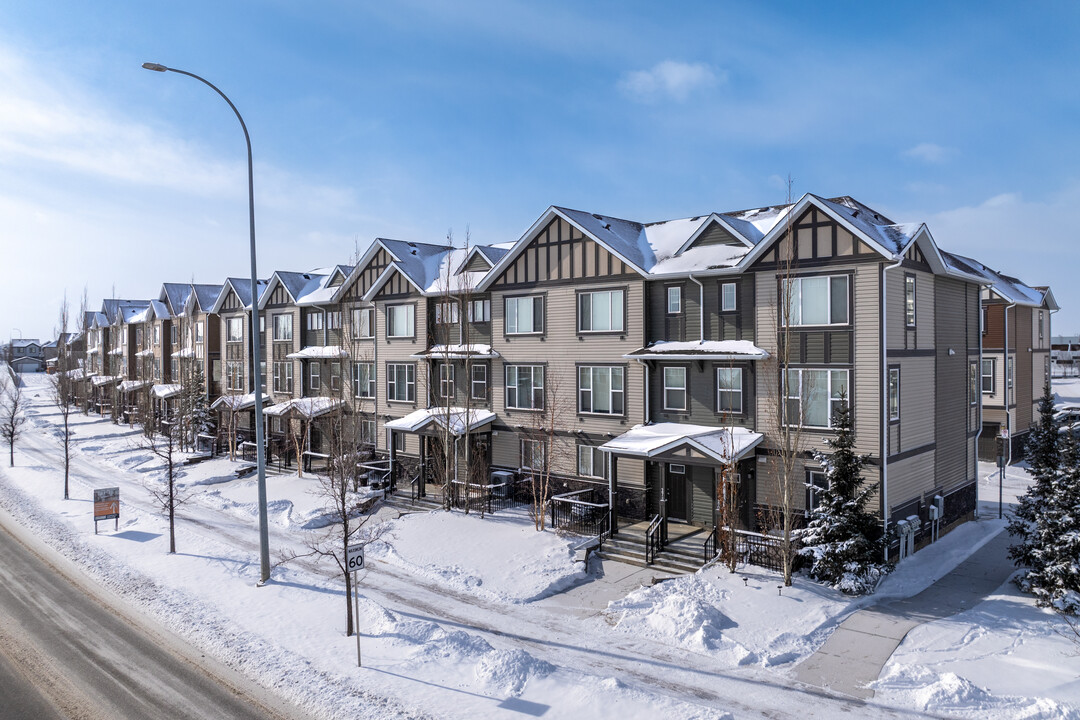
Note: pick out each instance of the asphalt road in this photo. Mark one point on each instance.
(66, 654)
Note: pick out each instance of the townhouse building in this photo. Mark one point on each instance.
(236, 405)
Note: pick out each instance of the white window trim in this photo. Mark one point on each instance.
(410, 313)
(621, 293)
(677, 291)
(229, 324)
(447, 386)
(591, 452)
(685, 389)
(473, 382)
(366, 389)
(282, 317)
(734, 391)
(910, 307)
(531, 455)
(992, 375)
(894, 382)
(797, 294)
(734, 305)
(410, 384)
(515, 301)
(829, 399)
(612, 392)
(484, 311)
(532, 389)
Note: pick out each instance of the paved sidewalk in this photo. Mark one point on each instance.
(858, 649)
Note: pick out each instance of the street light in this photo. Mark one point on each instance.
(260, 451)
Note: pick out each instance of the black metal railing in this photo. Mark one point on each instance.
(654, 540)
(711, 547)
(751, 548)
(488, 497)
(579, 512)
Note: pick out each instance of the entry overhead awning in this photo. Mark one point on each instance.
(319, 352)
(238, 402)
(99, 380)
(457, 352)
(708, 350)
(163, 392)
(133, 385)
(723, 444)
(459, 420)
(307, 408)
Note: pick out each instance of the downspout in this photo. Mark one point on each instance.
(701, 306)
(885, 400)
(1009, 381)
(979, 394)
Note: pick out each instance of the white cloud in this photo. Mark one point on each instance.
(669, 79)
(930, 153)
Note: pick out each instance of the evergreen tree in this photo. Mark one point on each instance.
(1046, 522)
(201, 421)
(842, 541)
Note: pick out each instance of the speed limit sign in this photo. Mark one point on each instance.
(354, 558)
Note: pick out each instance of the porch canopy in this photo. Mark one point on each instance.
(459, 420)
(148, 353)
(236, 402)
(133, 385)
(164, 392)
(319, 352)
(79, 374)
(99, 380)
(723, 444)
(307, 408)
(707, 350)
(457, 352)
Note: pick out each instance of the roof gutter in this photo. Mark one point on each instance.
(885, 401)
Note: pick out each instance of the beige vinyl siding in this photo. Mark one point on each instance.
(954, 301)
(399, 351)
(917, 418)
(276, 351)
(911, 478)
(899, 336)
(866, 394)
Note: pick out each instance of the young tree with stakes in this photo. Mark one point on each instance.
(842, 541)
(168, 495)
(1046, 522)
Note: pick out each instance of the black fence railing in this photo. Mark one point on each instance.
(491, 497)
(581, 512)
(654, 539)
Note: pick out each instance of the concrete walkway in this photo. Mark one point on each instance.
(858, 649)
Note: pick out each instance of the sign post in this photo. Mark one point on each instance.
(1002, 443)
(107, 506)
(354, 563)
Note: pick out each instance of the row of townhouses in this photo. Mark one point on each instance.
(659, 355)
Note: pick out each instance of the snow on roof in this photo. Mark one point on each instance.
(176, 295)
(130, 311)
(160, 310)
(322, 292)
(25, 342)
(724, 444)
(719, 349)
(162, 392)
(117, 351)
(892, 236)
(319, 352)
(79, 374)
(458, 352)
(1009, 289)
(701, 258)
(420, 262)
(453, 418)
(133, 385)
(185, 353)
(754, 224)
(307, 408)
(242, 288)
(207, 296)
(144, 353)
(99, 380)
(237, 402)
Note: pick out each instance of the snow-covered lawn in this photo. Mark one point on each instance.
(454, 615)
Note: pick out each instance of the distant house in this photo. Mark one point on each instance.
(27, 355)
(1064, 355)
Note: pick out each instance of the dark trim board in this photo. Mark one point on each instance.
(912, 452)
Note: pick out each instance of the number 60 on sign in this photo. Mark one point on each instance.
(354, 558)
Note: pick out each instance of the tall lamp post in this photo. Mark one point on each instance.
(260, 450)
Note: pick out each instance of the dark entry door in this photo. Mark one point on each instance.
(677, 494)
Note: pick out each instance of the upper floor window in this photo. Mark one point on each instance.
(364, 379)
(479, 311)
(446, 313)
(446, 381)
(816, 300)
(525, 387)
(333, 320)
(283, 377)
(234, 329)
(157, 334)
(401, 382)
(988, 375)
(601, 311)
(973, 382)
(812, 396)
(524, 315)
(315, 379)
(335, 376)
(479, 382)
(401, 321)
(234, 375)
(174, 335)
(1040, 325)
(728, 295)
(674, 300)
(729, 394)
(894, 393)
(283, 327)
(909, 300)
(674, 388)
(601, 390)
(314, 321)
(362, 322)
(139, 336)
(199, 331)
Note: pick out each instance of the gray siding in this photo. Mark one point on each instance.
(954, 302)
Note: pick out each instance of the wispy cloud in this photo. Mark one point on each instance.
(669, 79)
(930, 153)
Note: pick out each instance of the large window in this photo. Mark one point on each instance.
(728, 297)
(234, 375)
(601, 390)
(533, 455)
(988, 376)
(400, 321)
(674, 388)
(812, 396)
(401, 382)
(234, 329)
(364, 379)
(333, 319)
(479, 382)
(817, 300)
(894, 394)
(524, 315)
(479, 311)
(590, 461)
(362, 322)
(601, 311)
(446, 313)
(283, 327)
(283, 377)
(314, 320)
(367, 431)
(446, 381)
(729, 395)
(674, 300)
(525, 387)
(909, 301)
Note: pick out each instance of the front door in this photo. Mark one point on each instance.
(677, 495)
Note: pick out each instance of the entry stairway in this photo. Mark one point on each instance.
(683, 554)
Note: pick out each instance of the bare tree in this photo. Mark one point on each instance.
(12, 418)
(62, 383)
(168, 496)
(545, 447)
(82, 395)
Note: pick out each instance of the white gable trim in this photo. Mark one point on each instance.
(369, 296)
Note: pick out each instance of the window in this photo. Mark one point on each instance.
(973, 382)
(590, 461)
(480, 311)
(813, 396)
(1010, 368)
(816, 481)
(367, 431)
(333, 320)
(479, 382)
(601, 390)
(362, 325)
(398, 440)
(283, 377)
(262, 375)
(674, 300)
(234, 329)
(283, 327)
(138, 336)
(525, 387)
(728, 295)
(729, 390)
(676, 469)
(174, 370)
(1040, 326)
(988, 375)
(446, 380)
(314, 321)
(335, 376)
(234, 375)
(199, 332)
(446, 313)
(817, 300)
(157, 331)
(674, 388)
(364, 379)
(174, 335)
(984, 319)
(524, 315)
(533, 456)
(601, 311)
(401, 382)
(313, 373)
(400, 321)
(909, 301)
(894, 394)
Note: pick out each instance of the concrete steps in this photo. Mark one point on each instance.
(680, 558)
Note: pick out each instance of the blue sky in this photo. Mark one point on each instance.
(411, 119)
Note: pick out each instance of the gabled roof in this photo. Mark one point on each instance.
(1009, 289)
(296, 284)
(129, 311)
(432, 269)
(491, 254)
(206, 296)
(242, 288)
(175, 295)
(26, 342)
(99, 320)
(323, 293)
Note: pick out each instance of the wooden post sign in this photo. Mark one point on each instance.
(107, 506)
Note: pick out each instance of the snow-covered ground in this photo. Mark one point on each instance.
(456, 616)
